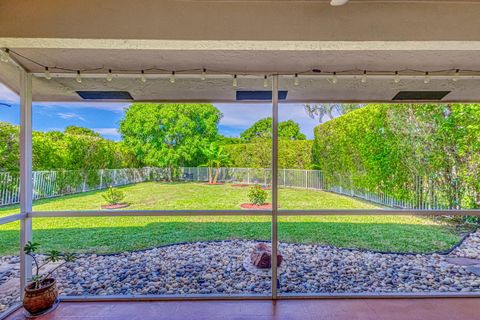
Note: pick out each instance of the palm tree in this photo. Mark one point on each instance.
(330, 110)
(216, 157)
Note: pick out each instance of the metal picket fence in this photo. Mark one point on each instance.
(47, 184)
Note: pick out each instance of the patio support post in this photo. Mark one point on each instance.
(26, 184)
(274, 183)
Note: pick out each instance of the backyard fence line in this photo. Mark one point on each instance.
(48, 184)
(314, 180)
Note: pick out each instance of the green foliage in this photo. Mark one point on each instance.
(52, 255)
(407, 150)
(81, 131)
(77, 148)
(113, 196)
(170, 135)
(288, 130)
(216, 157)
(258, 154)
(257, 195)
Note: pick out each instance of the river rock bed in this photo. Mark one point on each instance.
(217, 268)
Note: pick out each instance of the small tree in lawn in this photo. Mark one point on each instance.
(257, 195)
(113, 196)
(216, 157)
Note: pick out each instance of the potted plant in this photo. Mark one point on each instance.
(114, 197)
(42, 293)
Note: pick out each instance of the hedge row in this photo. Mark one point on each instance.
(57, 150)
(293, 154)
(421, 153)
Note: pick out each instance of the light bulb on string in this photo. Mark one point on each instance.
(295, 80)
(4, 56)
(396, 79)
(334, 78)
(456, 75)
(364, 77)
(79, 77)
(172, 77)
(204, 74)
(427, 78)
(48, 76)
(265, 81)
(142, 77)
(235, 82)
(109, 75)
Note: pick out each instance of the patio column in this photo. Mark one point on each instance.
(26, 185)
(274, 183)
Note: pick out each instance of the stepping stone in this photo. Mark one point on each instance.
(463, 261)
(474, 269)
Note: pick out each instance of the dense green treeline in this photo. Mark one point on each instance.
(75, 148)
(426, 153)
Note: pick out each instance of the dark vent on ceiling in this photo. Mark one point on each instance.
(421, 95)
(105, 95)
(260, 95)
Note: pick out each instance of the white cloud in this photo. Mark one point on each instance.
(113, 132)
(242, 116)
(107, 106)
(70, 115)
(7, 95)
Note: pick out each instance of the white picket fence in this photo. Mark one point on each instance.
(47, 184)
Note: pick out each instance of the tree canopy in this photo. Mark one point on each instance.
(170, 135)
(287, 130)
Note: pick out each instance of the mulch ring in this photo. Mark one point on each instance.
(252, 206)
(115, 206)
(240, 185)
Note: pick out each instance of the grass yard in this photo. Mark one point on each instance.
(117, 234)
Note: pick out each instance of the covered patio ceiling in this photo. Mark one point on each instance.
(250, 39)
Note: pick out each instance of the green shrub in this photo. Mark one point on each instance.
(292, 154)
(113, 196)
(257, 195)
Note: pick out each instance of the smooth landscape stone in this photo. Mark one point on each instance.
(463, 261)
(218, 268)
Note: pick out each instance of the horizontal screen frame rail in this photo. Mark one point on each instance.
(12, 218)
(320, 212)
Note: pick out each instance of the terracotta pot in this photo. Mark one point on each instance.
(37, 300)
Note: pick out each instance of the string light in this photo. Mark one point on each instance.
(456, 75)
(48, 76)
(109, 75)
(142, 77)
(235, 83)
(265, 81)
(204, 74)
(334, 78)
(4, 56)
(172, 77)
(427, 78)
(364, 77)
(295, 80)
(396, 79)
(79, 77)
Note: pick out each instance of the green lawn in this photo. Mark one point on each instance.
(116, 234)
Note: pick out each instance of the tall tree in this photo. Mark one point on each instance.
(170, 135)
(329, 110)
(287, 130)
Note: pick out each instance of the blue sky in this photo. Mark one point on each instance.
(104, 117)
